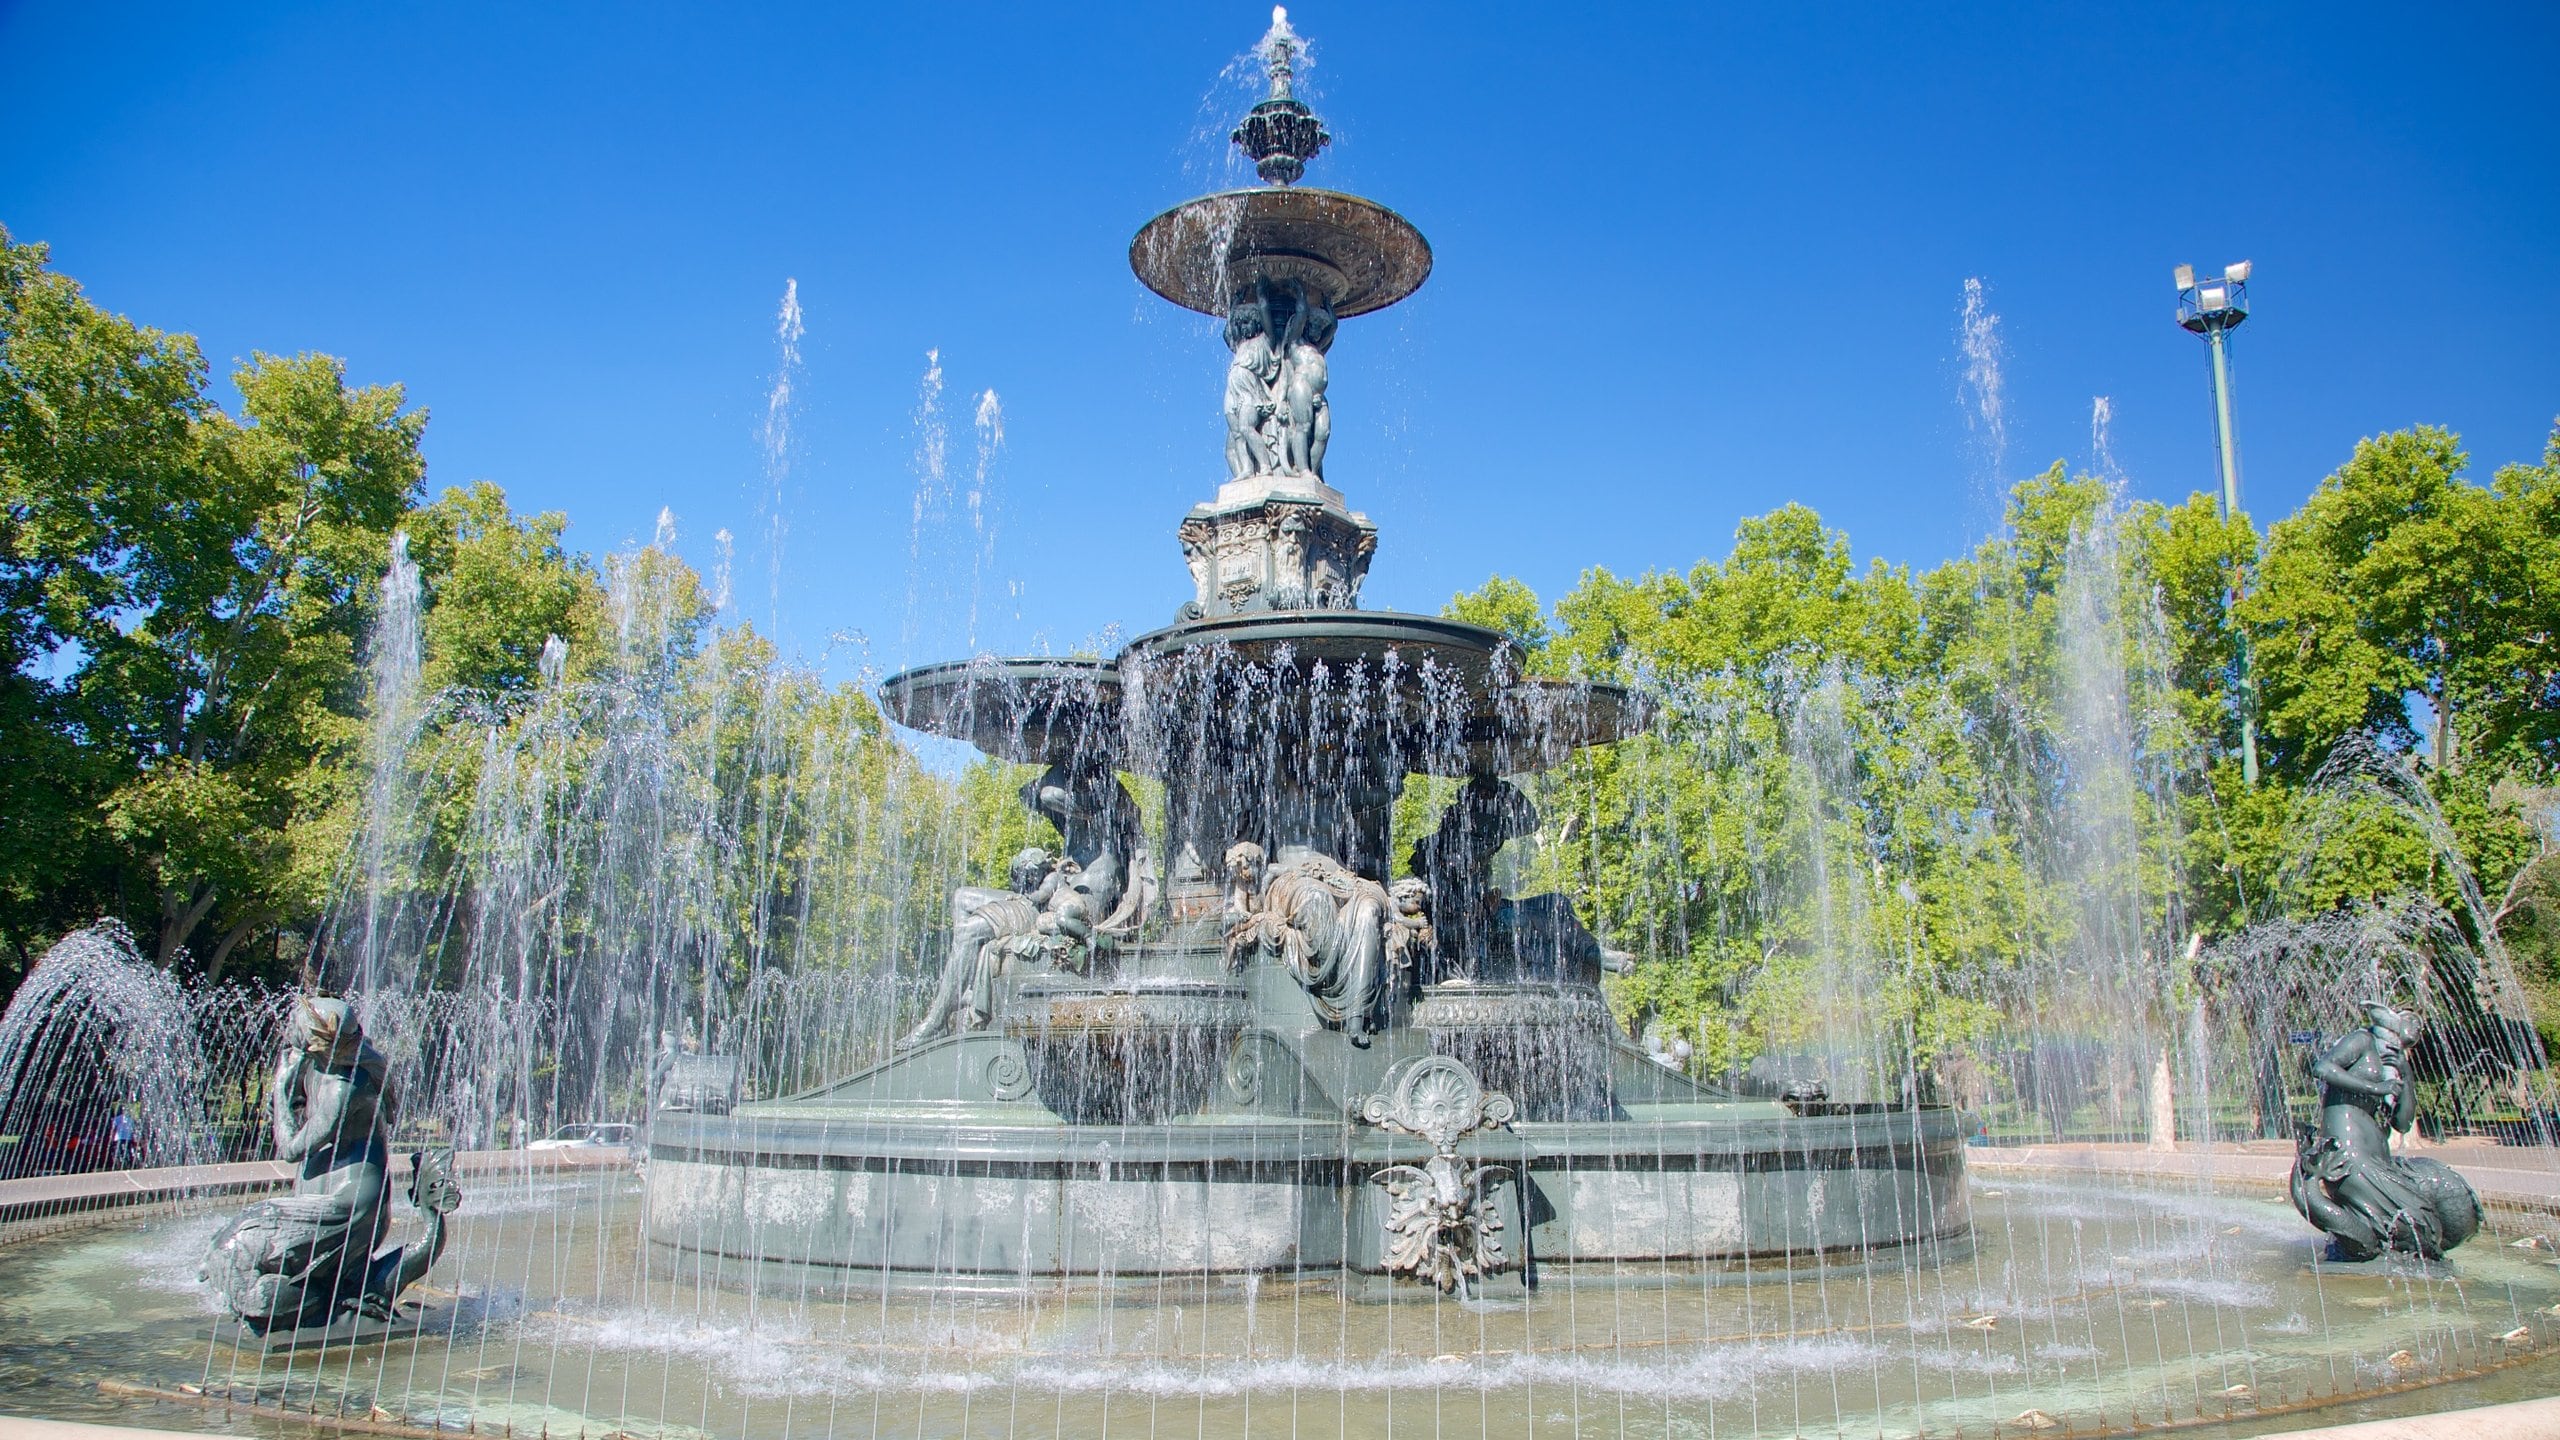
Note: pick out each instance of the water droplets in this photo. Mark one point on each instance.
(1979, 346)
(780, 408)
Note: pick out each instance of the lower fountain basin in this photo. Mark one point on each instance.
(2109, 1305)
(844, 1193)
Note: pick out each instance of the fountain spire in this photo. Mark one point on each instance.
(1281, 134)
(1280, 267)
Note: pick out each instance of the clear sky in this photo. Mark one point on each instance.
(1693, 261)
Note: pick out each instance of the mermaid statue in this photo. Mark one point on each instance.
(2345, 1178)
(306, 1259)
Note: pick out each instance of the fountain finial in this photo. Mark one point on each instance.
(1278, 44)
(1281, 133)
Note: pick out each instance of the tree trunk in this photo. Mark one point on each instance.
(179, 920)
(222, 952)
(2446, 756)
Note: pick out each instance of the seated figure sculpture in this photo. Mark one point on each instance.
(1456, 862)
(2345, 1178)
(1057, 907)
(986, 925)
(1478, 932)
(306, 1259)
(1542, 939)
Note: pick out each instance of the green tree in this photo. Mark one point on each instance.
(499, 587)
(2190, 559)
(1504, 604)
(2399, 581)
(242, 673)
(1784, 826)
(2517, 719)
(98, 449)
(185, 598)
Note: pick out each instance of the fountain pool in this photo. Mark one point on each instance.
(2102, 1305)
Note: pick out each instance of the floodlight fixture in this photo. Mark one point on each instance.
(2213, 306)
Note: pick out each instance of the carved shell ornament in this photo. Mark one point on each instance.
(1438, 1099)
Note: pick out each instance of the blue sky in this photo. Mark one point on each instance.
(1692, 262)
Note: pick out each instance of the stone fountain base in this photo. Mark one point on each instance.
(983, 1162)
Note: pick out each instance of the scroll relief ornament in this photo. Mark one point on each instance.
(1441, 1224)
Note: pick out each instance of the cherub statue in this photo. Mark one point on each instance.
(1097, 818)
(306, 1259)
(2346, 1180)
(1408, 927)
(1252, 377)
(1244, 883)
(1303, 343)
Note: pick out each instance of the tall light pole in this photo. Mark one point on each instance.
(2211, 308)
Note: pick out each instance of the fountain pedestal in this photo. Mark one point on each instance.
(1275, 542)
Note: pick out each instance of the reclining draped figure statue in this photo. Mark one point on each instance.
(1338, 932)
(2345, 1178)
(305, 1259)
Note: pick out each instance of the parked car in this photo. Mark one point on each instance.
(589, 1136)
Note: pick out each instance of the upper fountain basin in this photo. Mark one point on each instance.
(1447, 696)
(1360, 255)
(1033, 710)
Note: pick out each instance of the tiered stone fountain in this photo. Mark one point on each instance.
(1220, 1036)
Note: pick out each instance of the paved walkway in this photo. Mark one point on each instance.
(2508, 1178)
(37, 1196)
